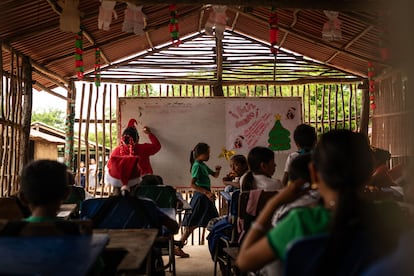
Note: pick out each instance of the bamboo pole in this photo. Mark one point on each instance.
(323, 108)
(79, 156)
(343, 106)
(351, 94)
(329, 107)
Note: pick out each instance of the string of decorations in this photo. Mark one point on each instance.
(79, 55)
(97, 67)
(371, 86)
(273, 31)
(174, 30)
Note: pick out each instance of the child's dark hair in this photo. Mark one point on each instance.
(128, 134)
(381, 156)
(239, 159)
(345, 163)
(305, 137)
(199, 149)
(255, 158)
(44, 181)
(299, 167)
(151, 180)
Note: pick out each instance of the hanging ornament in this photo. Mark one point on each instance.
(383, 33)
(331, 30)
(133, 20)
(226, 153)
(217, 20)
(273, 30)
(106, 11)
(97, 67)
(69, 20)
(175, 35)
(371, 85)
(79, 55)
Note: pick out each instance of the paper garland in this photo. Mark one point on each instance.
(79, 55)
(274, 30)
(174, 30)
(97, 67)
(371, 84)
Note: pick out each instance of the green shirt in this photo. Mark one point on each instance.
(201, 172)
(41, 219)
(299, 223)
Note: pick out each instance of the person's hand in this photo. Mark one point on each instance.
(147, 130)
(218, 168)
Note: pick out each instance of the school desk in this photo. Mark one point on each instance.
(50, 255)
(135, 244)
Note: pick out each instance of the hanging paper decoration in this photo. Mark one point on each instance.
(70, 17)
(79, 55)
(97, 67)
(371, 84)
(383, 33)
(273, 31)
(217, 20)
(174, 31)
(332, 28)
(106, 11)
(134, 20)
(226, 153)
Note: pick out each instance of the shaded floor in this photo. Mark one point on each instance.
(200, 262)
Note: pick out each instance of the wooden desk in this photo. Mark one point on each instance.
(136, 242)
(66, 210)
(51, 255)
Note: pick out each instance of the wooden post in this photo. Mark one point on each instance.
(70, 124)
(27, 112)
(363, 127)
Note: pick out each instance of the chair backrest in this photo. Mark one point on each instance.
(164, 196)
(46, 228)
(303, 255)
(245, 215)
(121, 212)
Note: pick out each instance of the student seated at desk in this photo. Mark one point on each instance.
(238, 166)
(359, 232)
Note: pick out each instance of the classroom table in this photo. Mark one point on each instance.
(50, 255)
(135, 243)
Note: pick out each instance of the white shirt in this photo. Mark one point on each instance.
(265, 183)
(289, 159)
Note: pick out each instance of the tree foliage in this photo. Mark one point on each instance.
(51, 116)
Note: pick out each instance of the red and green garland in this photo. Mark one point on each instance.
(97, 67)
(371, 85)
(174, 31)
(274, 30)
(79, 55)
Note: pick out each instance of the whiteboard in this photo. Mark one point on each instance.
(226, 124)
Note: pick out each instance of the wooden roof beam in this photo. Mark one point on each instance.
(343, 5)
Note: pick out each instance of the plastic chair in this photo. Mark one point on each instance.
(164, 196)
(303, 255)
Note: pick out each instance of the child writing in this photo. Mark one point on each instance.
(262, 166)
(202, 203)
(238, 166)
(305, 139)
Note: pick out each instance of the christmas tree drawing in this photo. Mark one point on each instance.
(279, 137)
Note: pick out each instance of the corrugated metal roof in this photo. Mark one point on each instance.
(32, 28)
